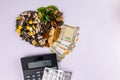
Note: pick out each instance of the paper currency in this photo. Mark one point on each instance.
(66, 41)
(68, 33)
(59, 57)
(60, 50)
(53, 74)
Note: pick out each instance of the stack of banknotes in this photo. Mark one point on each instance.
(66, 42)
(53, 74)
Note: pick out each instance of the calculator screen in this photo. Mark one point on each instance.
(38, 64)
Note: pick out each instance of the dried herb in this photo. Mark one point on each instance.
(35, 27)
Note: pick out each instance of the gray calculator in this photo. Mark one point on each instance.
(33, 67)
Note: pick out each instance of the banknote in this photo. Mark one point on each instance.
(66, 41)
(68, 36)
(58, 54)
(66, 44)
(53, 74)
(62, 48)
(68, 33)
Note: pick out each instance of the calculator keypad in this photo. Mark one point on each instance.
(37, 75)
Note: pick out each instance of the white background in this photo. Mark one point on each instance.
(97, 54)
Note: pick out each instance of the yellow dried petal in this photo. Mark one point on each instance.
(28, 27)
(18, 30)
(18, 18)
(31, 33)
(30, 22)
(19, 27)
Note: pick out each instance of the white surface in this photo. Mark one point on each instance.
(97, 55)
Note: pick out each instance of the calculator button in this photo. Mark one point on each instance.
(33, 79)
(33, 75)
(38, 75)
(38, 78)
(27, 76)
(38, 72)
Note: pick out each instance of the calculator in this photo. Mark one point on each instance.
(33, 66)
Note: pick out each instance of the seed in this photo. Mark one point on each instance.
(23, 18)
(29, 14)
(38, 27)
(36, 14)
(21, 23)
(34, 42)
(38, 20)
(33, 27)
(39, 37)
(35, 22)
(36, 30)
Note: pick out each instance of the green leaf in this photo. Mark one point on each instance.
(42, 9)
(47, 17)
(53, 7)
(55, 16)
(49, 12)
